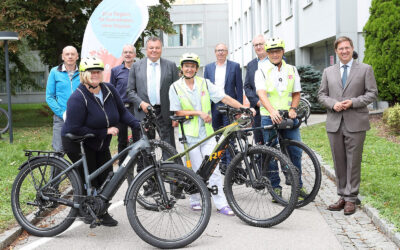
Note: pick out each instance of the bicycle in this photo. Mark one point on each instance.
(46, 205)
(4, 120)
(311, 169)
(304, 107)
(245, 170)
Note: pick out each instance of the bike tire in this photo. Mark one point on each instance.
(164, 227)
(4, 121)
(50, 218)
(310, 170)
(304, 105)
(252, 200)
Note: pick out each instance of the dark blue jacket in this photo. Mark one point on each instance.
(233, 79)
(119, 79)
(249, 85)
(87, 115)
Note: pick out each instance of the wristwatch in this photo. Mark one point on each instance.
(295, 109)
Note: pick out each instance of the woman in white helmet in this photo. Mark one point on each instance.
(191, 95)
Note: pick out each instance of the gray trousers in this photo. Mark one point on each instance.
(57, 126)
(347, 148)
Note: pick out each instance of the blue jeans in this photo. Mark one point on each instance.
(294, 152)
(57, 126)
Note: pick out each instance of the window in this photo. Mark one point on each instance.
(187, 35)
(245, 28)
(278, 12)
(289, 8)
(265, 16)
(307, 3)
(258, 17)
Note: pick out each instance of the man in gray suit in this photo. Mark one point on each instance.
(148, 84)
(346, 89)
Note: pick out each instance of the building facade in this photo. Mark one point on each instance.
(199, 27)
(308, 27)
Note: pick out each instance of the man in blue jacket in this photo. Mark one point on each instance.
(228, 76)
(249, 85)
(62, 81)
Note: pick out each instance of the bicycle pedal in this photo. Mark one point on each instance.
(214, 190)
(95, 223)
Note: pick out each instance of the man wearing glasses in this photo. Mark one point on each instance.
(249, 85)
(228, 76)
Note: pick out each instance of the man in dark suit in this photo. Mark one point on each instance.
(148, 84)
(346, 89)
(249, 85)
(228, 76)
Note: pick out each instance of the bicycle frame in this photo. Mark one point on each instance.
(114, 183)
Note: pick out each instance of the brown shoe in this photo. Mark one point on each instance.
(339, 205)
(349, 208)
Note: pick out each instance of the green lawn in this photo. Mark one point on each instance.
(32, 129)
(380, 170)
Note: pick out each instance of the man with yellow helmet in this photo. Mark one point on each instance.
(191, 95)
(278, 87)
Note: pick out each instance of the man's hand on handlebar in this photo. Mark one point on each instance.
(276, 117)
(292, 114)
(144, 106)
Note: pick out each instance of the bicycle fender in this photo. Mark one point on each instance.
(43, 156)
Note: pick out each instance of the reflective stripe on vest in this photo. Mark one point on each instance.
(191, 127)
(279, 102)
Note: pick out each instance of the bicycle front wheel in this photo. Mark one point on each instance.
(249, 189)
(38, 216)
(304, 106)
(304, 158)
(4, 121)
(174, 224)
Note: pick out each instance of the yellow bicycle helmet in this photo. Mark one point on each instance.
(190, 57)
(89, 63)
(274, 43)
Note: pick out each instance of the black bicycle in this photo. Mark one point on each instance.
(300, 155)
(304, 157)
(4, 121)
(46, 204)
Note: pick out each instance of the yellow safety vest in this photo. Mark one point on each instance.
(191, 127)
(279, 102)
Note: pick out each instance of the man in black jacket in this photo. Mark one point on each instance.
(249, 86)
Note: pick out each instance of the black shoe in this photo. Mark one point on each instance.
(222, 168)
(107, 220)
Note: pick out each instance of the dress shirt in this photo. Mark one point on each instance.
(348, 68)
(220, 73)
(119, 78)
(150, 76)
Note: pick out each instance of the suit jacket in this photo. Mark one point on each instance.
(233, 79)
(249, 85)
(360, 88)
(137, 86)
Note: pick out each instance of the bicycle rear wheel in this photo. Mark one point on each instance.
(310, 169)
(304, 106)
(4, 121)
(172, 225)
(36, 215)
(252, 198)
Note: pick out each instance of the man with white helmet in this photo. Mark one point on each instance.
(278, 87)
(191, 96)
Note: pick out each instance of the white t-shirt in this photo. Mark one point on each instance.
(220, 73)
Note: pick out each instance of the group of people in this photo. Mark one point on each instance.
(83, 103)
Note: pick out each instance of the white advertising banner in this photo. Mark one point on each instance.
(112, 25)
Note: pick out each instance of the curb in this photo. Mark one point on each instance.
(384, 226)
(9, 236)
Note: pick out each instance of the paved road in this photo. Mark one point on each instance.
(312, 227)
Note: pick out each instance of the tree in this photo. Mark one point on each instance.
(310, 82)
(50, 25)
(382, 43)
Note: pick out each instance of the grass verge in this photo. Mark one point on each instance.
(380, 169)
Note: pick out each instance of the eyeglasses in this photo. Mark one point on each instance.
(220, 50)
(258, 45)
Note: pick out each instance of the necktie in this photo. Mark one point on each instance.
(153, 85)
(344, 76)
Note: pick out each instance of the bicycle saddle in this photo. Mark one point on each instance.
(181, 118)
(79, 138)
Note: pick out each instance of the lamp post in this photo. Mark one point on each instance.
(8, 36)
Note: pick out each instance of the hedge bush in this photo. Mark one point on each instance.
(310, 82)
(391, 117)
